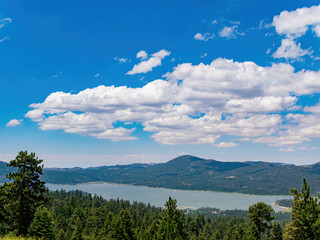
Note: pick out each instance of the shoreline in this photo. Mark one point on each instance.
(173, 189)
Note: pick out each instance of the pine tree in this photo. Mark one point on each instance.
(260, 216)
(26, 191)
(305, 217)
(77, 233)
(106, 227)
(5, 213)
(217, 235)
(42, 225)
(61, 235)
(127, 225)
(152, 230)
(122, 227)
(276, 231)
(252, 232)
(172, 222)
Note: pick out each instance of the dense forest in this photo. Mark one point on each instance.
(27, 209)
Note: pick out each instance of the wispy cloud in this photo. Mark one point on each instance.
(4, 21)
(226, 144)
(230, 32)
(122, 60)
(3, 39)
(14, 122)
(204, 55)
(57, 74)
(203, 37)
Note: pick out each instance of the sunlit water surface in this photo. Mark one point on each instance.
(185, 198)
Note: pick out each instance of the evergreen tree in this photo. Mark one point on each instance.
(151, 233)
(61, 235)
(172, 222)
(260, 216)
(5, 214)
(126, 225)
(122, 227)
(252, 232)
(106, 227)
(42, 225)
(77, 233)
(305, 223)
(26, 191)
(217, 235)
(276, 231)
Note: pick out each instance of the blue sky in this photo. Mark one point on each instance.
(88, 83)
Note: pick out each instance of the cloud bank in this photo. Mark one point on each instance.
(193, 104)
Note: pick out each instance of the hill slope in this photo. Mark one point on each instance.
(193, 173)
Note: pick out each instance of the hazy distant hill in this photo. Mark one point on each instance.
(188, 172)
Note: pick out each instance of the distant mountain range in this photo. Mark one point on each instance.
(193, 173)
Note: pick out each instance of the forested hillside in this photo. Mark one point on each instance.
(188, 172)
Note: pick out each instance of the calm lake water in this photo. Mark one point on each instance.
(158, 196)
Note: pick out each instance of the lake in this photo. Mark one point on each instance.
(185, 198)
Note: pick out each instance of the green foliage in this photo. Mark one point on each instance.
(172, 222)
(122, 227)
(260, 216)
(252, 232)
(305, 223)
(42, 225)
(25, 192)
(77, 233)
(276, 232)
(61, 235)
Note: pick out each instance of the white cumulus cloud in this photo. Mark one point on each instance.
(293, 25)
(289, 49)
(142, 54)
(193, 104)
(148, 65)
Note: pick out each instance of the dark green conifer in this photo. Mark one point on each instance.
(42, 225)
(104, 231)
(305, 217)
(25, 191)
(172, 222)
(276, 231)
(77, 233)
(252, 232)
(122, 227)
(260, 216)
(61, 235)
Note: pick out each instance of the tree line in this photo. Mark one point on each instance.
(27, 209)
